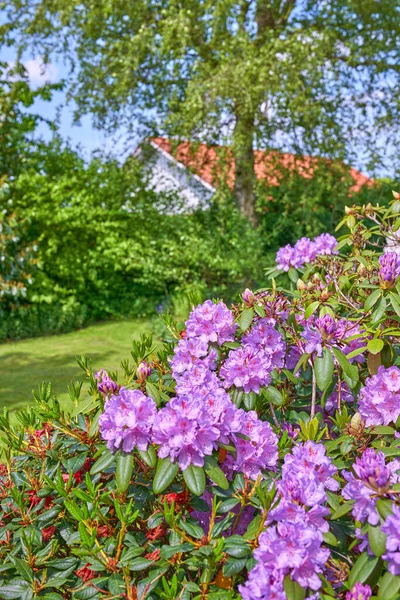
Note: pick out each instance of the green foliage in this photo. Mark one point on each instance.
(291, 74)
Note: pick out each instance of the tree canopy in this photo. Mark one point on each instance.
(308, 76)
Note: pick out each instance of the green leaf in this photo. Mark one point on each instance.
(311, 308)
(394, 301)
(246, 318)
(123, 474)
(323, 368)
(372, 299)
(377, 540)
(164, 475)
(215, 473)
(149, 456)
(273, 395)
(105, 460)
(195, 479)
(23, 568)
(74, 510)
(233, 566)
(389, 586)
(364, 569)
(379, 311)
(348, 369)
(140, 564)
(293, 590)
(84, 406)
(375, 345)
(342, 510)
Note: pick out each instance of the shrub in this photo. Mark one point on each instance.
(253, 455)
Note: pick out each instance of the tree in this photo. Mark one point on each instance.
(18, 147)
(309, 76)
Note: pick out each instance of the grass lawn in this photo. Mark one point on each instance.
(25, 364)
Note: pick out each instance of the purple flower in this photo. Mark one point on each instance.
(306, 473)
(392, 529)
(326, 332)
(127, 421)
(185, 431)
(295, 550)
(286, 258)
(143, 371)
(371, 469)
(305, 251)
(247, 368)
(211, 323)
(260, 450)
(325, 244)
(105, 384)
(390, 269)
(264, 336)
(359, 592)
(373, 478)
(263, 583)
(379, 400)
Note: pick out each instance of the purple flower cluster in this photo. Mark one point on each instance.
(379, 400)
(187, 429)
(359, 592)
(211, 323)
(392, 529)
(292, 543)
(326, 332)
(249, 366)
(389, 269)
(259, 449)
(105, 384)
(305, 251)
(127, 421)
(373, 478)
(306, 473)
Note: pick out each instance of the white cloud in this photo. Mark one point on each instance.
(38, 72)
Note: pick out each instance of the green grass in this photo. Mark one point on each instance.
(25, 364)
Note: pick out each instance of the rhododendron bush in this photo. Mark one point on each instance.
(255, 454)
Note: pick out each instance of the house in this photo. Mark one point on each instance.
(194, 169)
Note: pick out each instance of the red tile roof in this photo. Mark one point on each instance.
(204, 161)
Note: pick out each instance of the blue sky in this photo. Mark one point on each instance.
(84, 134)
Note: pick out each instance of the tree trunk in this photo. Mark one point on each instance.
(243, 152)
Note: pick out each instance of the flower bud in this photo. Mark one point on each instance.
(143, 371)
(248, 297)
(396, 195)
(395, 208)
(325, 294)
(301, 285)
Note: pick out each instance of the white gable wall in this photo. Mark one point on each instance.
(168, 175)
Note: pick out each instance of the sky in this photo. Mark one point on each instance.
(84, 134)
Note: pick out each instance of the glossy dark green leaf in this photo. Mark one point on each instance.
(323, 368)
(102, 463)
(164, 475)
(149, 456)
(377, 540)
(246, 318)
(293, 590)
(215, 473)
(389, 586)
(195, 479)
(123, 474)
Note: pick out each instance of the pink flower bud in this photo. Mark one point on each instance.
(143, 371)
(248, 297)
